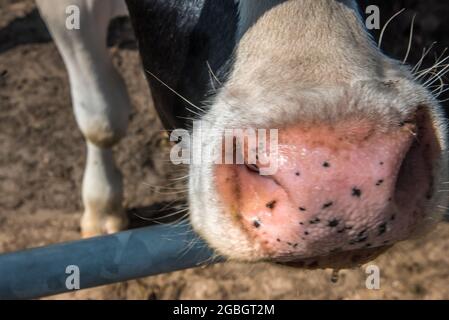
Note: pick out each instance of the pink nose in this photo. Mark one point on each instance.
(337, 188)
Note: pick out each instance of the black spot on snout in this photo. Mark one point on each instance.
(333, 223)
(379, 182)
(361, 237)
(326, 164)
(271, 204)
(356, 192)
(256, 223)
(382, 228)
(361, 233)
(302, 209)
(328, 204)
(297, 173)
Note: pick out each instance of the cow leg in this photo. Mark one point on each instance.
(100, 101)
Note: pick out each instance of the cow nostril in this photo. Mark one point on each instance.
(403, 180)
(415, 172)
(253, 167)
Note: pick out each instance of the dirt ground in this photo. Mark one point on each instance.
(42, 155)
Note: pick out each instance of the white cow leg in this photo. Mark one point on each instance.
(101, 105)
(102, 193)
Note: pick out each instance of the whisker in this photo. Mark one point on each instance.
(434, 66)
(441, 73)
(173, 214)
(441, 91)
(179, 221)
(194, 112)
(441, 55)
(174, 91)
(442, 101)
(165, 188)
(212, 73)
(219, 82)
(386, 25)
(440, 86)
(426, 71)
(410, 40)
(181, 178)
(157, 219)
(424, 55)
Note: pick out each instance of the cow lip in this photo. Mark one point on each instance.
(339, 260)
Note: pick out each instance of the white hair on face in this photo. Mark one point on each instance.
(251, 10)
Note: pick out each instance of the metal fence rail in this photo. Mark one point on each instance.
(102, 260)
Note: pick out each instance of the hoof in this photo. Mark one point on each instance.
(108, 225)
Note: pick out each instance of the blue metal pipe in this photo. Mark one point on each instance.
(102, 260)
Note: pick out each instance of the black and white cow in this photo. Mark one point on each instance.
(361, 144)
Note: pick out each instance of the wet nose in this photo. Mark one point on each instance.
(337, 187)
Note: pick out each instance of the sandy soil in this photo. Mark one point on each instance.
(42, 157)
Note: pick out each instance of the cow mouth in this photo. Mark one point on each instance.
(338, 260)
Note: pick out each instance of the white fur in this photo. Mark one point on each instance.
(251, 10)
